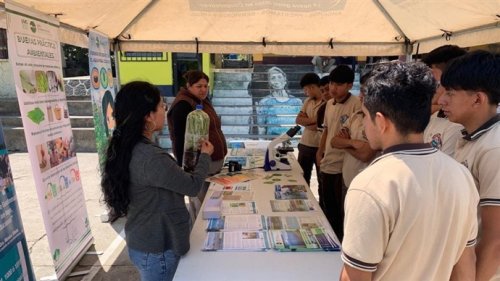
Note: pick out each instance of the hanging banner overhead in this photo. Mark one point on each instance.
(102, 90)
(14, 259)
(35, 58)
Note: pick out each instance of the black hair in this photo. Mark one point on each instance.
(133, 103)
(324, 81)
(310, 78)
(193, 76)
(107, 99)
(440, 56)
(342, 74)
(365, 77)
(402, 92)
(475, 71)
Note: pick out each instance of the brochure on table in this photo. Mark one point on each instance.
(240, 228)
(287, 233)
(301, 264)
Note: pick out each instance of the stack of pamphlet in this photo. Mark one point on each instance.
(259, 233)
(299, 234)
(237, 222)
(236, 241)
(237, 233)
(290, 191)
(229, 195)
(294, 205)
(229, 199)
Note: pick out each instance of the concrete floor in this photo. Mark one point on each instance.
(112, 264)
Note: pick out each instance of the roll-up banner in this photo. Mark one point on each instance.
(35, 58)
(14, 259)
(102, 90)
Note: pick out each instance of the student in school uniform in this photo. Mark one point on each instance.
(309, 142)
(441, 133)
(324, 87)
(472, 85)
(352, 139)
(337, 113)
(406, 218)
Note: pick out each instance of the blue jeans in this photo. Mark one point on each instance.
(155, 266)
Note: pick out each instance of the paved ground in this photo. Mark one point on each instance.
(113, 263)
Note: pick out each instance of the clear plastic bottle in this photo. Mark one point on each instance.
(197, 124)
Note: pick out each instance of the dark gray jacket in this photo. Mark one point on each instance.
(157, 218)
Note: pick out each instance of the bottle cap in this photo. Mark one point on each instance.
(199, 106)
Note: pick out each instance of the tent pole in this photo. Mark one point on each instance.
(408, 50)
(116, 48)
(138, 16)
(391, 20)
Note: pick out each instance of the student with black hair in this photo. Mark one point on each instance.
(309, 142)
(337, 113)
(441, 133)
(472, 85)
(324, 88)
(142, 182)
(411, 214)
(352, 139)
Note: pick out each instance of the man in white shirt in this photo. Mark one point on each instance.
(406, 218)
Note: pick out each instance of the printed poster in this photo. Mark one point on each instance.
(102, 90)
(14, 258)
(35, 58)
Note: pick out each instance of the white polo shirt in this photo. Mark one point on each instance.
(442, 134)
(337, 115)
(406, 218)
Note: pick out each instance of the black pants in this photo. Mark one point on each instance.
(333, 198)
(307, 158)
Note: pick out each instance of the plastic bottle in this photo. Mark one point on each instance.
(197, 124)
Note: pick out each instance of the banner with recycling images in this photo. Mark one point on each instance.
(102, 90)
(35, 58)
(14, 258)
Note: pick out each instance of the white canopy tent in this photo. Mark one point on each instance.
(292, 27)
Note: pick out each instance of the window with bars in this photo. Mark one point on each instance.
(4, 54)
(143, 56)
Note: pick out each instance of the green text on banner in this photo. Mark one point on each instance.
(35, 58)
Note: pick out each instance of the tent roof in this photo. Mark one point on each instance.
(293, 27)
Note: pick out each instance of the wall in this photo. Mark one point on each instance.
(158, 73)
(7, 89)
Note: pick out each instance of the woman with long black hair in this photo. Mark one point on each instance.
(143, 182)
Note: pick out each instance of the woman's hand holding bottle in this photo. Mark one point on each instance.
(206, 147)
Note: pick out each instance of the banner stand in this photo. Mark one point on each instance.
(35, 58)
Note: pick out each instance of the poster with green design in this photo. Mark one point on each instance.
(102, 90)
(35, 59)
